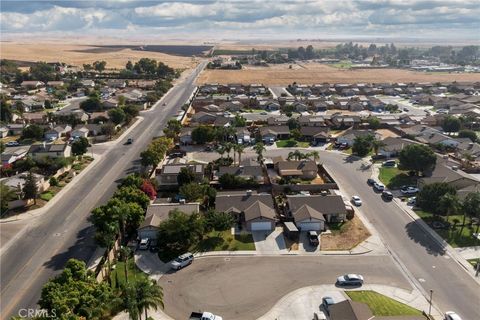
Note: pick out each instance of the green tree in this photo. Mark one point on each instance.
(451, 124)
(203, 134)
(132, 195)
(428, 199)
(362, 146)
(99, 65)
(6, 112)
(472, 135)
(30, 188)
(259, 148)
(471, 208)
(173, 128)
(293, 124)
(129, 65)
(132, 180)
(149, 295)
(376, 145)
(180, 231)
(373, 123)
(80, 146)
(239, 121)
(192, 191)
(92, 104)
(131, 111)
(7, 194)
(418, 158)
(42, 71)
(219, 221)
(33, 131)
(150, 157)
(108, 129)
(130, 300)
(449, 204)
(2, 146)
(296, 134)
(117, 115)
(185, 176)
(239, 149)
(315, 155)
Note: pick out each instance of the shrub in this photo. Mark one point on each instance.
(53, 181)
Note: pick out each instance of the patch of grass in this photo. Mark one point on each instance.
(381, 305)
(344, 64)
(47, 195)
(473, 262)
(133, 273)
(394, 178)
(290, 143)
(225, 241)
(456, 235)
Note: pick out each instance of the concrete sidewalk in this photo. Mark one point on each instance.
(304, 302)
(469, 252)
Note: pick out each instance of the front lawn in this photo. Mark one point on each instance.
(133, 273)
(394, 178)
(381, 305)
(47, 195)
(290, 143)
(225, 241)
(456, 236)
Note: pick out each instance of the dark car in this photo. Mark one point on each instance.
(313, 238)
(129, 140)
(370, 182)
(387, 195)
(326, 303)
(350, 280)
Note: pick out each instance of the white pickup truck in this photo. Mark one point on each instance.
(204, 316)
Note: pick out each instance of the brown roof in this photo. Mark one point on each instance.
(323, 204)
(157, 213)
(298, 167)
(259, 210)
(350, 310)
(306, 212)
(239, 202)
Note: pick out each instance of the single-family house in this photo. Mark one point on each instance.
(272, 133)
(243, 135)
(116, 83)
(204, 118)
(278, 120)
(256, 210)
(17, 182)
(32, 84)
(15, 129)
(80, 132)
(40, 151)
(88, 83)
(233, 106)
(158, 212)
(12, 154)
(55, 84)
(349, 136)
(3, 132)
(35, 117)
(247, 170)
(110, 103)
(315, 134)
(392, 146)
(57, 132)
(169, 173)
(351, 310)
(303, 169)
(332, 207)
(308, 219)
(185, 135)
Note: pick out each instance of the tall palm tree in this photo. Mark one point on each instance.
(124, 255)
(149, 295)
(239, 148)
(221, 151)
(376, 145)
(450, 204)
(259, 149)
(130, 302)
(315, 155)
(228, 148)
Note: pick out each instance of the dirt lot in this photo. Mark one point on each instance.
(71, 53)
(311, 73)
(348, 236)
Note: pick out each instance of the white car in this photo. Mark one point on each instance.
(412, 201)
(182, 261)
(356, 201)
(450, 315)
(143, 245)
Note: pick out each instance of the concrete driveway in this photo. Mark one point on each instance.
(269, 242)
(304, 245)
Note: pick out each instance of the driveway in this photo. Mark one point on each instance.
(267, 242)
(248, 287)
(304, 245)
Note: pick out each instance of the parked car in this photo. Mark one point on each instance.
(129, 140)
(356, 201)
(313, 238)
(143, 245)
(412, 201)
(326, 303)
(370, 181)
(387, 195)
(182, 261)
(208, 148)
(350, 280)
(12, 144)
(450, 315)
(389, 163)
(378, 186)
(204, 316)
(409, 190)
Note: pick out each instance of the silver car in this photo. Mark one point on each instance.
(182, 261)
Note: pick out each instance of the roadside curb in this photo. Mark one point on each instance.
(122, 136)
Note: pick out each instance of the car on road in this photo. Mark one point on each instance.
(12, 144)
(182, 261)
(378, 186)
(164, 103)
(370, 181)
(350, 279)
(326, 303)
(129, 140)
(144, 243)
(389, 163)
(204, 316)
(313, 238)
(387, 195)
(409, 190)
(356, 201)
(450, 315)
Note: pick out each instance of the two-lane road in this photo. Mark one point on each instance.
(64, 232)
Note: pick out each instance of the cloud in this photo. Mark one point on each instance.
(218, 17)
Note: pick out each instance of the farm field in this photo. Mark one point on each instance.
(76, 55)
(311, 73)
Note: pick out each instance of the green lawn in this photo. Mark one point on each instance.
(47, 195)
(291, 143)
(455, 236)
(344, 64)
(394, 178)
(382, 305)
(225, 241)
(133, 272)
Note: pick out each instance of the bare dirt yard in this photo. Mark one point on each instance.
(76, 54)
(346, 236)
(312, 73)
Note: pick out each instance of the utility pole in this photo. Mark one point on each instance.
(430, 306)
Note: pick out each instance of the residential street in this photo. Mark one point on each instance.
(64, 232)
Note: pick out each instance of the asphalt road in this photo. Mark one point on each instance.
(64, 232)
(248, 287)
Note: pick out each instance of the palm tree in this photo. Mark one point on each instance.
(315, 155)
(124, 255)
(259, 149)
(228, 147)
(449, 204)
(149, 295)
(130, 302)
(221, 151)
(467, 160)
(296, 155)
(239, 149)
(376, 145)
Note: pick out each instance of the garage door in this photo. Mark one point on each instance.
(310, 226)
(257, 226)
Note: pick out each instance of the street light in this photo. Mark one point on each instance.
(430, 306)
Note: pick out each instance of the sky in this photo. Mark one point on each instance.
(245, 19)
